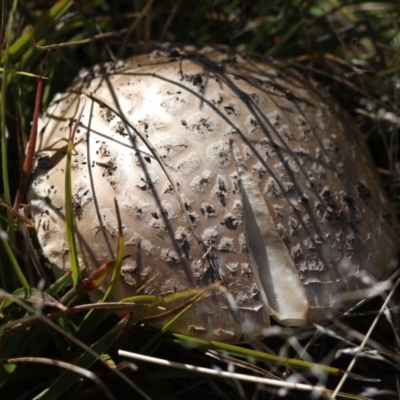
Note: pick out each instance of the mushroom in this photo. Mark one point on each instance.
(225, 169)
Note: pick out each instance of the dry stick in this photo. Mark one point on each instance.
(171, 16)
(76, 42)
(132, 28)
(15, 213)
(28, 161)
(226, 358)
(366, 338)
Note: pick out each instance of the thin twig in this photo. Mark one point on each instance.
(74, 42)
(132, 28)
(171, 16)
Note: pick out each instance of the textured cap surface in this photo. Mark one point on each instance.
(275, 190)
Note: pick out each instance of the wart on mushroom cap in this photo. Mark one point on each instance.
(224, 168)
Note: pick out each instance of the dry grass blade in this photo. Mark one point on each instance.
(171, 17)
(144, 13)
(266, 357)
(241, 364)
(285, 385)
(28, 161)
(365, 340)
(222, 374)
(15, 213)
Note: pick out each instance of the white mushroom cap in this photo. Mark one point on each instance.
(276, 193)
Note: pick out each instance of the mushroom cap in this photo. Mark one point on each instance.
(224, 168)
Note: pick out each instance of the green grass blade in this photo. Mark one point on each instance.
(5, 61)
(14, 263)
(22, 73)
(33, 295)
(284, 38)
(69, 212)
(21, 46)
(259, 355)
(120, 257)
(57, 286)
(86, 360)
(93, 318)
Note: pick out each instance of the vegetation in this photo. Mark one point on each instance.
(48, 349)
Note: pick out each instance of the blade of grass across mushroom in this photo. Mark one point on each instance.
(124, 305)
(88, 284)
(120, 257)
(179, 311)
(93, 319)
(69, 212)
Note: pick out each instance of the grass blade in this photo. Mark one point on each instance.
(14, 262)
(120, 257)
(20, 49)
(69, 213)
(85, 361)
(70, 367)
(5, 61)
(261, 356)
